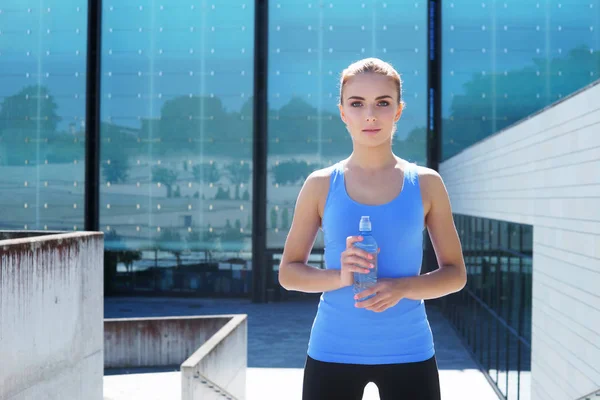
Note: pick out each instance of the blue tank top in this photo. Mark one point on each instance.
(343, 333)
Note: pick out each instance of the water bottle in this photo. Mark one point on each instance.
(364, 281)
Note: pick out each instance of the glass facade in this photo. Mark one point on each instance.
(176, 146)
(310, 43)
(493, 312)
(42, 114)
(176, 101)
(505, 60)
(176, 124)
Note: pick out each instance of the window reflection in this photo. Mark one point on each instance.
(309, 47)
(504, 61)
(176, 166)
(42, 113)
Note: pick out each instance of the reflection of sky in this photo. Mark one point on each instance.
(186, 49)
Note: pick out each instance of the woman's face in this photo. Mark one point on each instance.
(370, 108)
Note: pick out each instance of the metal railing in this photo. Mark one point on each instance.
(492, 314)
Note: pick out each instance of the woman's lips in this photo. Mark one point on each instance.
(371, 131)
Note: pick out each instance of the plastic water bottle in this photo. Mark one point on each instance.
(364, 281)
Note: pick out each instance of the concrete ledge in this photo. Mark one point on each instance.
(216, 346)
(221, 360)
(156, 342)
(51, 312)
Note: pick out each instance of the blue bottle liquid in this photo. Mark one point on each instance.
(365, 281)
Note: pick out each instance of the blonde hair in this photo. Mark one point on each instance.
(374, 66)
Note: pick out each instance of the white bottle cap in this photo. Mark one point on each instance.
(365, 224)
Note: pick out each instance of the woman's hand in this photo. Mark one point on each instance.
(388, 292)
(353, 260)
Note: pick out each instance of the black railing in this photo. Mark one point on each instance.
(492, 313)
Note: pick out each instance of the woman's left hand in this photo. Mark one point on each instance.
(388, 292)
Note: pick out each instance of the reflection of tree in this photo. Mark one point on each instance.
(285, 219)
(118, 142)
(64, 147)
(290, 172)
(232, 234)
(191, 124)
(206, 241)
(32, 109)
(273, 218)
(414, 147)
(206, 173)
(165, 177)
(480, 112)
(128, 257)
(115, 252)
(238, 172)
(29, 115)
(170, 240)
(117, 170)
(299, 128)
(222, 194)
(184, 119)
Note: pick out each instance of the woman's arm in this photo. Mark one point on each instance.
(451, 276)
(294, 272)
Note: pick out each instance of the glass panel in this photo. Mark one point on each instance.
(504, 235)
(527, 286)
(176, 168)
(42, 113)
(505, 60)
(515, 237)
(527, 241)
(309, 47)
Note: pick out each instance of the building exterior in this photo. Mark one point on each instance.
(541, 175)
(186, 136)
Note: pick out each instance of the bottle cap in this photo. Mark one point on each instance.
(365, 224)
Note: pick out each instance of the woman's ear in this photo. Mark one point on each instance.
(342, 115)
(399, 112)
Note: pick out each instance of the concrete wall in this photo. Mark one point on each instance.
(211, 350)
(222, 360)
(156, 342)
(545, 172)
(51, 312)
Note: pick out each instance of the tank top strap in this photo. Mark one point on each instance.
(336, 180)
(411, 178)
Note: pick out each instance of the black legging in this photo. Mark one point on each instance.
(407, 381)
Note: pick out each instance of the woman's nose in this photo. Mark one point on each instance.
(370, 115)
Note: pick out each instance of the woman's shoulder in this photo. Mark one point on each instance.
(316, 188)
(430, 182)
(319, 179)
(426, 175)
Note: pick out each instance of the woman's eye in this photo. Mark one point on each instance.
(381, 103)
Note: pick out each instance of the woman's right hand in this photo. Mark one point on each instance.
(353, 260)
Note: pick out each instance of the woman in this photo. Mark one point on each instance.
(385, 339)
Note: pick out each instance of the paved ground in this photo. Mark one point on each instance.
(277, 340)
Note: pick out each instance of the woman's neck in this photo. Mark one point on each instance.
(372, 158)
